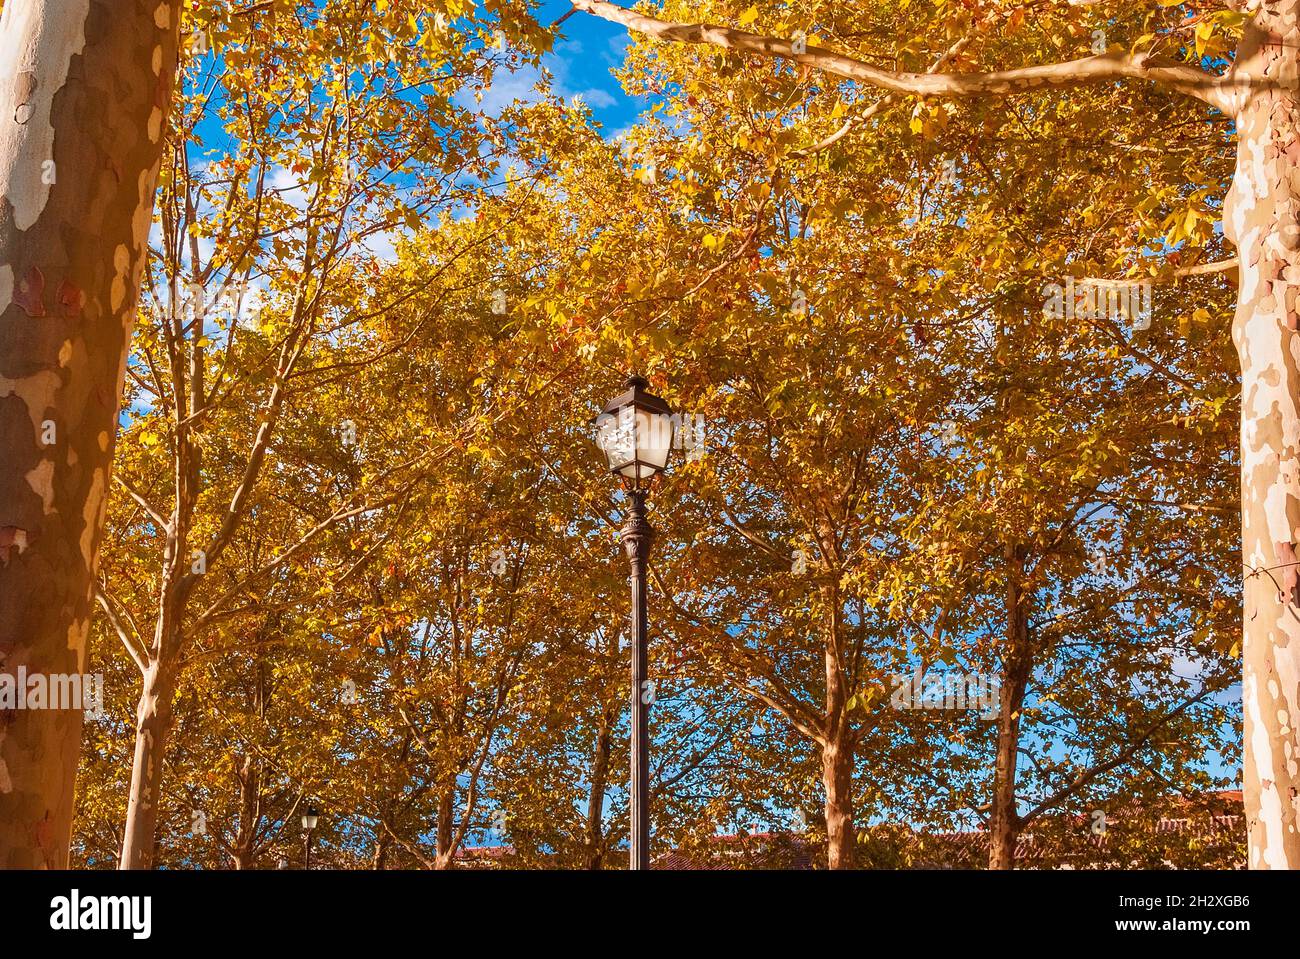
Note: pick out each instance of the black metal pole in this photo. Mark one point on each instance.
(306, 851)
(636, 541)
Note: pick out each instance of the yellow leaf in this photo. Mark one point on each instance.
(1204, 31)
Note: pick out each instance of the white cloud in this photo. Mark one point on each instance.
(519, 85)
(289, 187)
(383, 245)
(597, 98)
(508, 87)
(617, 51)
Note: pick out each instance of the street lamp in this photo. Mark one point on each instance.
(309, 820)
(636, 434)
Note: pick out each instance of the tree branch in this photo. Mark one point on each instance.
(136, 651)
(944, 59)
(1172, 275)
(1102, 68)
(1088, 775)
(144, 504)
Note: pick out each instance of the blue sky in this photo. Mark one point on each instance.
(582, 63)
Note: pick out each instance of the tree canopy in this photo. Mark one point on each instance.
(948, 552)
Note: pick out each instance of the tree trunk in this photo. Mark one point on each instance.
(84, 90)
(250, 786)
(837, 780)
(446, 829)
(153, 721)
(379, 861)
(1262, 217)
(595, 851)
(1017, 664)
(837, 734)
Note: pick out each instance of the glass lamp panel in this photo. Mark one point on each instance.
(654, 458)
(654, 440)
(617, 437)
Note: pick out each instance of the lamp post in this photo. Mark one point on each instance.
(636, 433)
(309, 820)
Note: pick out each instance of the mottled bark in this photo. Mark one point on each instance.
(446, 830)
(153, 726)
(1017, 664)
(84, 92)
(1262, 217)
(837, 781)
(244, 849)
(837, 735)
(379, 861)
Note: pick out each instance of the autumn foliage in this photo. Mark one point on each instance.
(360, 552)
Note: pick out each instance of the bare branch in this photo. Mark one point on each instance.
(944, 59)
(1178, 273)
(1102, 68)
(144, 504)
(138, 654)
